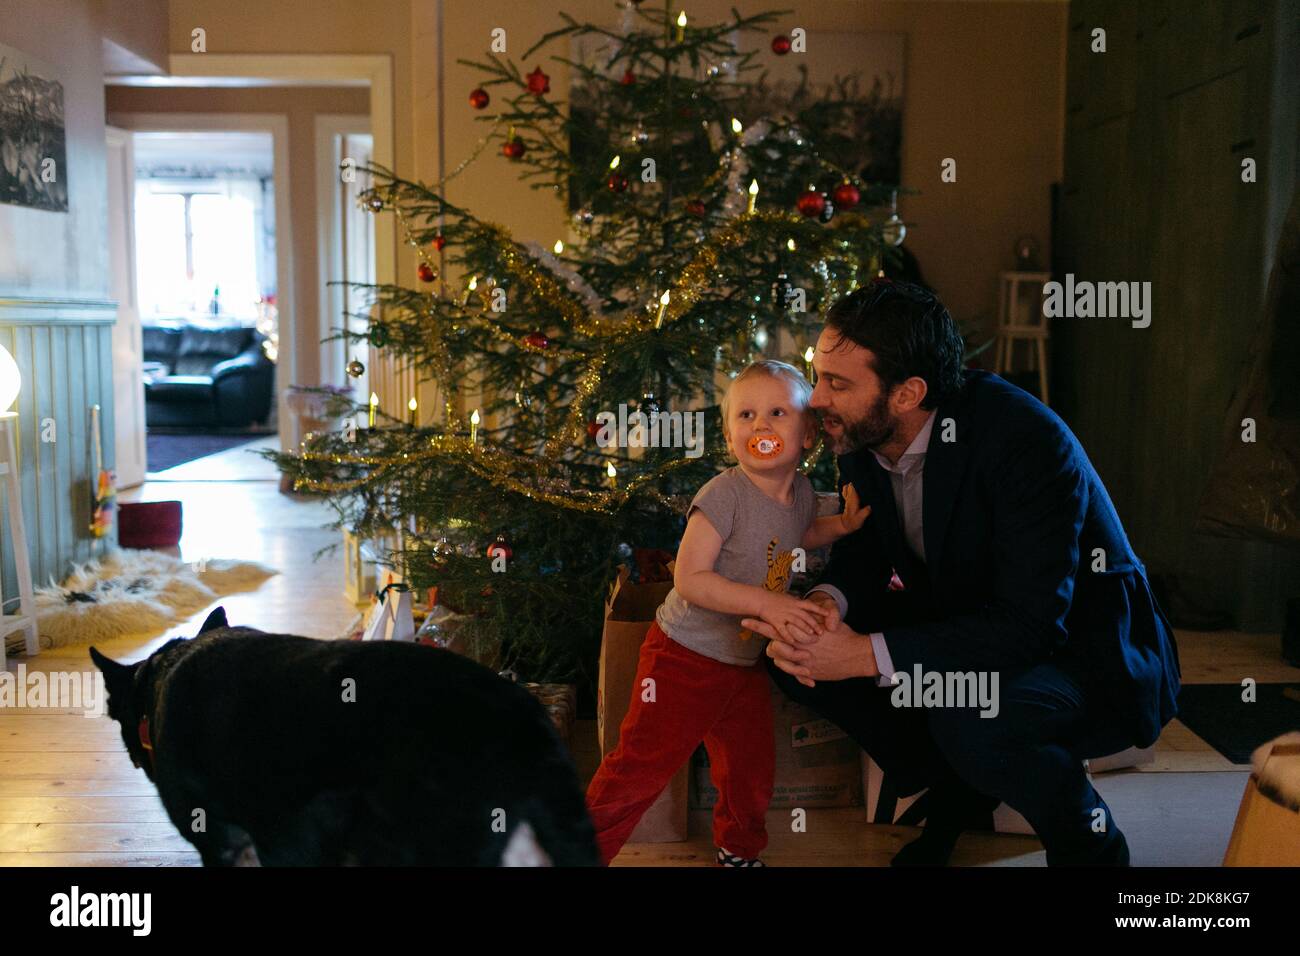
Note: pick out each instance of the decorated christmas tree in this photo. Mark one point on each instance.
(711, 220)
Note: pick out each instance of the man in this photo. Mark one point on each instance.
(992, 550)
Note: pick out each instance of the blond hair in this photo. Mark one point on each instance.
(772, 369)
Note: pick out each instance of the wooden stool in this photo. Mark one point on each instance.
(1016, 323)
(25, 619)
(1267, 831)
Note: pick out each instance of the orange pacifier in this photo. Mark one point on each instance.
(765, 446)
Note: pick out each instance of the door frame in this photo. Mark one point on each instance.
(277, 124)
(130, 451)
(329, 251)
(374, 71)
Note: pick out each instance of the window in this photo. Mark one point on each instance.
(200, 248)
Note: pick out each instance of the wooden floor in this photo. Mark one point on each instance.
(70, 796)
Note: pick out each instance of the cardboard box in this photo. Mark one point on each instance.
(1267, 829)
(817, 764)
(629, 611)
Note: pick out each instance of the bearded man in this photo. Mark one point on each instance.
(993, 550)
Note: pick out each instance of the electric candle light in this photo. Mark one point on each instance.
(374, 403)
(753, 194)
(735, 126)
(612, 473)
(681, 26)
(559, 246)
(807, 358)
(412, 406)
(473, 428)
(663, 307)
(613, 163)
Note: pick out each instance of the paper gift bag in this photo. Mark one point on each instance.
(629, 611)
(392, 619)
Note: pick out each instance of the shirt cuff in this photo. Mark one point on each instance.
(884, 663)
(840, 600)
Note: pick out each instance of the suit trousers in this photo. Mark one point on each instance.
(1029, 755)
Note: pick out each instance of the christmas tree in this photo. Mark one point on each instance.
(710, 225)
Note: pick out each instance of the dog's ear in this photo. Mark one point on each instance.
(215, 620)
(118, 678)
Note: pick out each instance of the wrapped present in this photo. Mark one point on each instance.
(561, 702)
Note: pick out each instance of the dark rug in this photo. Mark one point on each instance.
(169, 450)
(1217, 714)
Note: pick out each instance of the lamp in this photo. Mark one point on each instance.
(11, 380)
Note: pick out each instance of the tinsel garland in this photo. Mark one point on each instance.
(498, 469)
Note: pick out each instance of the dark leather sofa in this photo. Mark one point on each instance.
(206, 376)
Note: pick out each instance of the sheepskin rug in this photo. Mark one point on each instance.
(136, 592)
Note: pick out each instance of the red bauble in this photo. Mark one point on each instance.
(425, 272)
(846, 196)
(513, 148)
(593, 429)
(539, 82)
(629, 77)
(478, 98)
(536, 340)
(695, 207)
(617, 182)
(439, 241)
(811, 203)
(499, 546)
(780, 44)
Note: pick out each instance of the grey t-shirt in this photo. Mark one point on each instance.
(759, 536)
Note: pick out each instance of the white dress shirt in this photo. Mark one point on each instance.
(905, 477)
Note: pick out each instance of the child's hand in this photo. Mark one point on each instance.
(855, 513)
(796, 620)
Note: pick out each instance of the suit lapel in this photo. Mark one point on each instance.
(945, 463)
(874, 489)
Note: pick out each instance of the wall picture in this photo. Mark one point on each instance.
(33, 140)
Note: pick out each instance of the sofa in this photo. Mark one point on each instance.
(206, 376)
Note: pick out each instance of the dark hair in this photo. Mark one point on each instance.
(908, 330)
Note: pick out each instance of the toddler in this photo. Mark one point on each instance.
(734, 561)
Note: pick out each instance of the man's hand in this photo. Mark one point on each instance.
(839, 652)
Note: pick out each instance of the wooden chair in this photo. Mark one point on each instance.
(25, 619)
(1022, 321)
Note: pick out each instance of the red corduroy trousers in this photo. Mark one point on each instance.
(728, 707)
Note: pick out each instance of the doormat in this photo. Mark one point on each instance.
(1217, 714)
(168, 451)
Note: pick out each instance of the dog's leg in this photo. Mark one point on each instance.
(524, 850)
(225, 844)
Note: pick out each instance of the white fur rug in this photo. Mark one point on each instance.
(136, 592)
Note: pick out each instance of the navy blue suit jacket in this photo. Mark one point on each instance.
(1026, 561)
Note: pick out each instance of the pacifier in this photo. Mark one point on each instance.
(765, 446)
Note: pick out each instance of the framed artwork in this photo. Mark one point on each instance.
(33, 138)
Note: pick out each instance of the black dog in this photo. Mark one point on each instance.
(283, 750)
